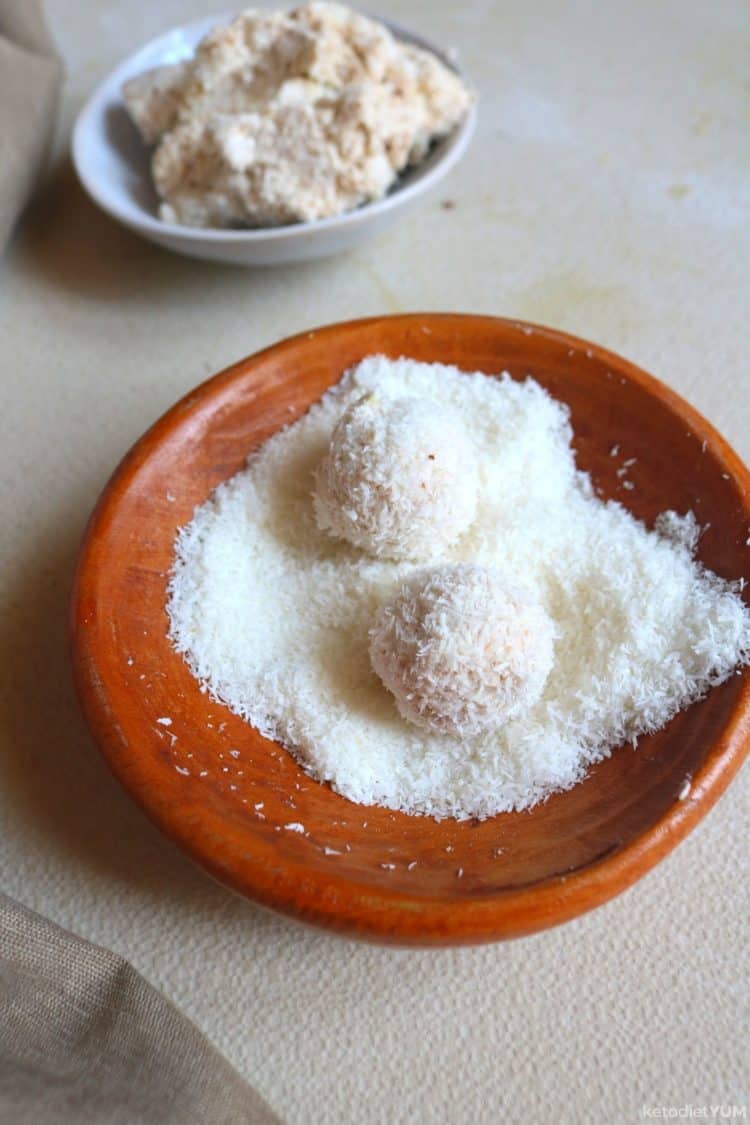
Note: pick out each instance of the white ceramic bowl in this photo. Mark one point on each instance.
(113, 165)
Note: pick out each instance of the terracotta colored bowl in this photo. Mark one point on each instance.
(503, 877)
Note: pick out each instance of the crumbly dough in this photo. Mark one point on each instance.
(288, 117)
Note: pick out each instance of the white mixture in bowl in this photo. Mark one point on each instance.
(288, 117)
(553, 629)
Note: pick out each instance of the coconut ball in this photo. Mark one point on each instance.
(461, 651)
(400, 478)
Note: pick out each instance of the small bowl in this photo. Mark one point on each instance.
(387, 876)
(113, 165)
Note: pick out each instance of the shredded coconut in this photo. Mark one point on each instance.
(684, 531)
(273, 615)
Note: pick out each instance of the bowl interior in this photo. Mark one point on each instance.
(114, 164)
(226, 794)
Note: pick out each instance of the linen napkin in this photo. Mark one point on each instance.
(30, 76)
(85, 1040)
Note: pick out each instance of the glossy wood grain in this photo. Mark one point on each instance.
(224, 794)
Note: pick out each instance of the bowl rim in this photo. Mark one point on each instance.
(375, 913)
(455, 144)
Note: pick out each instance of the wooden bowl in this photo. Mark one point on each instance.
(519, 872)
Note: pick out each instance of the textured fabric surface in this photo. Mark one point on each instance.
(29, 93)
(85, 1040)
(606, 193)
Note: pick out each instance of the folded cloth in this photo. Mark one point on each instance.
(30, 76)
(84, 1040)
